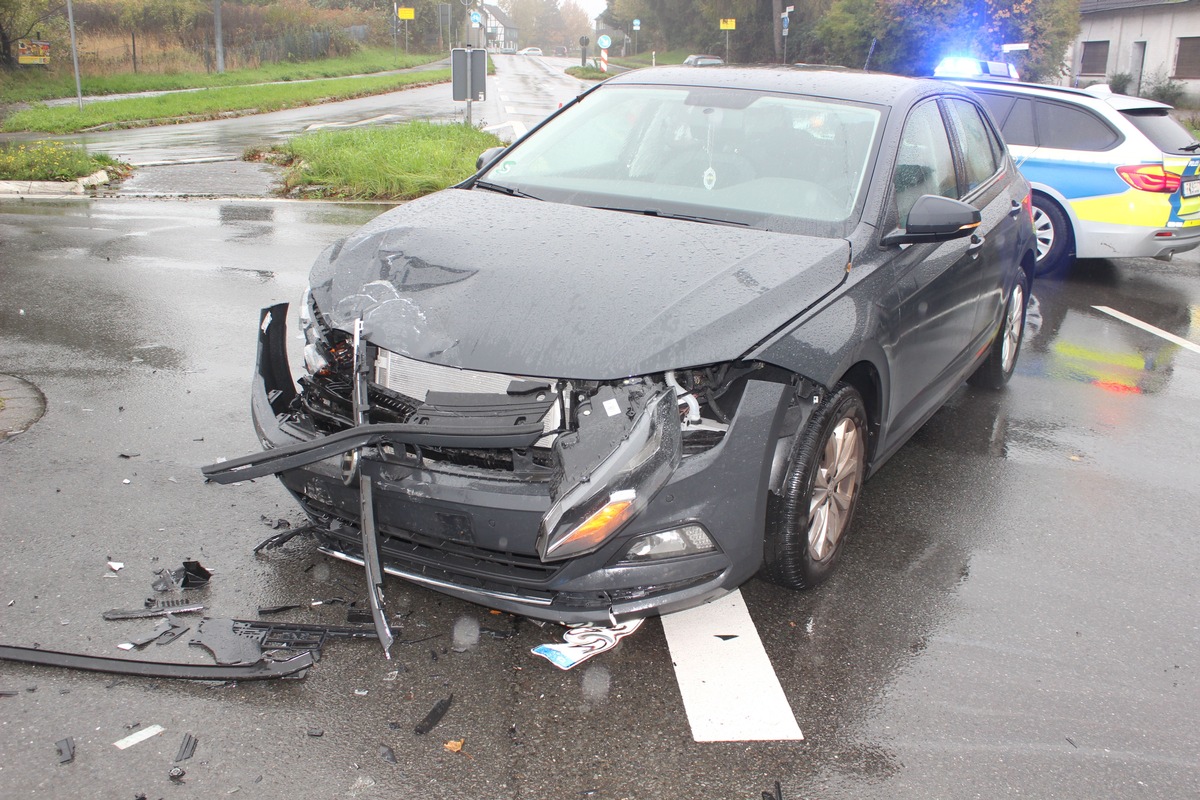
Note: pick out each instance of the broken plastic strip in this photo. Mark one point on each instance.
(261, 670)
(281, 459)
(374, 569)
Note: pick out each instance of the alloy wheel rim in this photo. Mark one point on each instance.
(1043, 229)
(1012, 328)
(839, 474)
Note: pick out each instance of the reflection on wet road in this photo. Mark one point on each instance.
(1015, 615)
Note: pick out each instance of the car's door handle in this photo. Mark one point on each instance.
(1015, 209)
(976, 244)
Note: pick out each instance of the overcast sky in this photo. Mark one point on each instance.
(592, 7)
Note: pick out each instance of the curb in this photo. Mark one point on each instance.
(52, 188)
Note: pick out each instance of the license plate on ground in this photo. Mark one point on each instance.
(1191, 188)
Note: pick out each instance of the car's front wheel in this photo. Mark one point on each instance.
(1055, 239)
(808, 521)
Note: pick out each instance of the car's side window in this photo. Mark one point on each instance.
(925, 162)
(1014, 115)
(1068, 128)
(979, 159)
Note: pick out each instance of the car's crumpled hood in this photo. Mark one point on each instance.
(484, 281)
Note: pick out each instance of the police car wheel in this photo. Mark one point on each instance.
(1055, 239)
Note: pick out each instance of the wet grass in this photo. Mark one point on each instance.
(210, 103)
(34, 85)
(394, 162)
(588, 73)
(53, 161)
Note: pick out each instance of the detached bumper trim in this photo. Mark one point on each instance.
(436, 583)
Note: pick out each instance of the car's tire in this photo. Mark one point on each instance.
(808, 520)
(1001, 359)
(1054, 236)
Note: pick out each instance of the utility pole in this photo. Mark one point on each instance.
(219, 37)
(74, 54)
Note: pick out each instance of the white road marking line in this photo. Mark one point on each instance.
(730, 690)
(1137, 323)
(140, 736)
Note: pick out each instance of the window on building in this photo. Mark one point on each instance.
(1187, 59)
(1095, 58)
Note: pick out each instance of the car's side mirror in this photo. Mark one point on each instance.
(935, 219)
(487, 156)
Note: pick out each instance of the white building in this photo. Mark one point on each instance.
(1150, 40)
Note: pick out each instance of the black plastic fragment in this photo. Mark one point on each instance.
(261, 670)
(387, 754)
(155, 609)
(187, 748)
(240, 641)
(66, 750)
(778, 795)
(283, 537)
(268, 610)
(316, 733)
(176, 774)
(191, 575)
(434, 716)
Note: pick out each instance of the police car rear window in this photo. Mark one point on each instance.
(1161, 128)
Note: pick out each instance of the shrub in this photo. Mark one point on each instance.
(1161, 88)
(1119, 82)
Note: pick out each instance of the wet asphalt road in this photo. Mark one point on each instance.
(1016, 614)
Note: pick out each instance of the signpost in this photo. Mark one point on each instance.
(728, 25)
(468, 75)
(637, 26)
(604, 42)
(784, 22)
(406, 14)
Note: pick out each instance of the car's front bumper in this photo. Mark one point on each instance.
(453, 529)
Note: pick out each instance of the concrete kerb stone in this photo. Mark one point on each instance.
(21, 405)
(53, 188)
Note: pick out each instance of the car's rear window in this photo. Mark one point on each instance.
(1161, 128)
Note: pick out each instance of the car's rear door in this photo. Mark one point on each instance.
(1175, 141)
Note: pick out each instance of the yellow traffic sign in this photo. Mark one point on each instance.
(729, 24)
(406, 13)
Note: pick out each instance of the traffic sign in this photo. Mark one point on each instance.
(604, 42)
(476, 18)
(406, 13)
(729, 24)
(784, 23)
(637, 24)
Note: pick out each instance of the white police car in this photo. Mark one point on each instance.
(1113, 176)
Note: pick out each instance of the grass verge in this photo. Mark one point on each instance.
(588, 73)
(55, 161)
(210, 103)
(394, 162)
(33, 85)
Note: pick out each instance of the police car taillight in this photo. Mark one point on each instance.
(1149, 178)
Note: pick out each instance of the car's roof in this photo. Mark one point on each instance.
(868, 87)
(1120, 102)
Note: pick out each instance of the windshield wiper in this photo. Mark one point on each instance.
(508, 190)
(653, 212)
(1191, 148)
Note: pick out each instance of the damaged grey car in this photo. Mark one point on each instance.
(653, 348)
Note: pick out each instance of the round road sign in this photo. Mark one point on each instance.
(604, 42)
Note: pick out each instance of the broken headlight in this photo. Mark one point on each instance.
(599, 504)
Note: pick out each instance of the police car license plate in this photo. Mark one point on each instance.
(1191, 188)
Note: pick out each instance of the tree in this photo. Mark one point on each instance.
(913, 35)
(19, 19)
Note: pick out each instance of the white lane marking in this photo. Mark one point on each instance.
(730, 690)
(1137, 323)
(140, 736)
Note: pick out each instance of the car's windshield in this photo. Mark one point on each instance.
(780, 162)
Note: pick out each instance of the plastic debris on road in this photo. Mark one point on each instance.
(581, 642)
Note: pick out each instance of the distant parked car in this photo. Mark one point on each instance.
(697, 60)
(529, 51)
(560, 51)
(508, 51)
